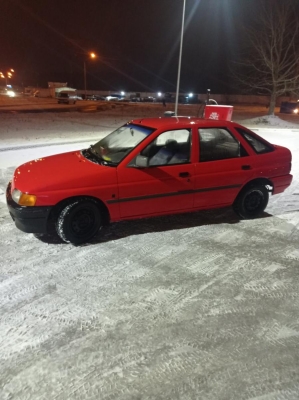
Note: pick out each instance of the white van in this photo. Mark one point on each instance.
(67, 97)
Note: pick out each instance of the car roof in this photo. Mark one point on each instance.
(177, 122)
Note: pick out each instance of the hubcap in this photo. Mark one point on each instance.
(82, 222)
(254, 201)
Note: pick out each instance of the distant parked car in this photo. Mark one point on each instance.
(111, 98)
(289, 107)
(94, 97)
(145, 168)
(98, 97)
(135, 99)
(67, 97)
(114, 97)
(91, 97)
(148, 99)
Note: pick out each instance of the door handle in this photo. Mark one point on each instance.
(184, 174)
(246, 167)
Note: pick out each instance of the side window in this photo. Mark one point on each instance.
(258, 145)
(171, 147)
(218, 144)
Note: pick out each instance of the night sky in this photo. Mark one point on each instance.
(137, 42)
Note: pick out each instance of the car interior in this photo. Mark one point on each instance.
(218, 144)
(172, 152)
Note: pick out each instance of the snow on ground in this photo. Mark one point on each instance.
(193, 306)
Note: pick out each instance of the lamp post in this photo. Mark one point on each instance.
(180, 59)
(91, 55)
(85, 79)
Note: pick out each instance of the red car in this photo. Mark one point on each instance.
(148, 167)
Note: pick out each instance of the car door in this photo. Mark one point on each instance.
(223, 168)
(166, 184)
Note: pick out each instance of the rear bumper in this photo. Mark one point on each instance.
(27, 219)
(281, 183)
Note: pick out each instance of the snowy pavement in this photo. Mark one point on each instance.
(192, 306)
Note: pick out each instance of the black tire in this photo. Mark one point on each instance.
(79, 221)
(251, 202)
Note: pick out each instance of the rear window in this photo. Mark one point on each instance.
(258, 145)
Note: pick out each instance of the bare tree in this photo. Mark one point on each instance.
(270, 63)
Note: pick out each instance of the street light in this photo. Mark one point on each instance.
(91, 55)
(7, 75)
(180, 59)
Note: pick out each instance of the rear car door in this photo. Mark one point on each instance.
(223, 168)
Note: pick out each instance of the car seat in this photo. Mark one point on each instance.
(164, 155)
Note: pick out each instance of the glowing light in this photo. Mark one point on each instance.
(190, 94)
(159, 94)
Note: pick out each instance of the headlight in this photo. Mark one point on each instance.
(296, 111)
(23, 199)
(11, 93)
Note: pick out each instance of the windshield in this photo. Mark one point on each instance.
(114, 147)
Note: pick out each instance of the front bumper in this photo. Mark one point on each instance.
(27, 219)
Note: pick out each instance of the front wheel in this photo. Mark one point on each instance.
(79, 221)
(251, 202)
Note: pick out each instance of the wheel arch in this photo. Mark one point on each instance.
(253, 198)
(258, 181)
(59, 206)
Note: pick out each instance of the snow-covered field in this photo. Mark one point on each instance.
(197, 306)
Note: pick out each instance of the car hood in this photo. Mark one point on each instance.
(62, 171)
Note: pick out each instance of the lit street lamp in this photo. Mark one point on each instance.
(7, 75)
(180, 59)
(91, 55)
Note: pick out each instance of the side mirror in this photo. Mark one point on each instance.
(142, 161)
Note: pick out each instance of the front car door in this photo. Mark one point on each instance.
(166, 184)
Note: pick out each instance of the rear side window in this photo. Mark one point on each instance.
(218, 144)
(258, 145)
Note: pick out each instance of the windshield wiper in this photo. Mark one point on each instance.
(90, 155)
(97, 157)
(109, 163)
(93, 151)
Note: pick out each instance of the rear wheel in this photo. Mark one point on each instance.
(79, 221)
(251, 202)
